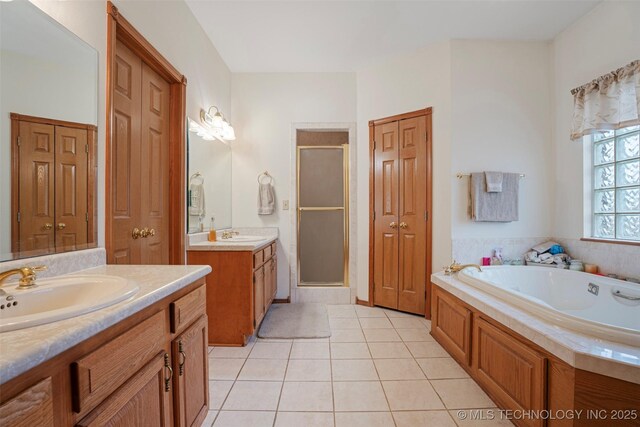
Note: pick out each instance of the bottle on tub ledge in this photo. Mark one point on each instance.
(497, 259)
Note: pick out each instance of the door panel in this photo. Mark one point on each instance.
(412, 220)
(71, 188)
(154, 167)
(125, 157)
(385, 269)
(36, 187)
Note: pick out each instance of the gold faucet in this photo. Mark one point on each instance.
(229, 234)
(455, 267)
(28, 279)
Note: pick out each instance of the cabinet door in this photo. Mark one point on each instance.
(144, 400)
(258, 296)
(268, 283)
(190, 374)
(32, 407)
(451, 325)
(513, 373)
(274, 277)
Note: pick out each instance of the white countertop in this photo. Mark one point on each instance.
(199, 242)
(578, 350)
(24, 349)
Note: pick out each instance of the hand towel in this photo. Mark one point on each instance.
(494, 182)
(494, 207)
(196, 199)
(266, 199)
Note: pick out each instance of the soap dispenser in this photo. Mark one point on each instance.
(212, 231)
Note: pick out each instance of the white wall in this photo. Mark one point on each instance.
(605, 39)
(402, 84)
(265, 106)
(185, 45)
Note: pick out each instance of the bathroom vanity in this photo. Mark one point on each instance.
(142, 361)
(241, 286)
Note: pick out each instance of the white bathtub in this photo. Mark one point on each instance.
(564, 297)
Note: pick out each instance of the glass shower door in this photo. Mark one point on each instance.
(323, 215)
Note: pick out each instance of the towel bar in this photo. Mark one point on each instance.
(461, 175)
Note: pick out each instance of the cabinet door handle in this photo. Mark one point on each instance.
(183, 358)
(167, 380)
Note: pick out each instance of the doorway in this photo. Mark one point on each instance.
(145, 170)
(400, 206)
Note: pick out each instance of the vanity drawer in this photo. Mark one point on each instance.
(267, 252)
(258, 259)
(188, 308)
(100, 373)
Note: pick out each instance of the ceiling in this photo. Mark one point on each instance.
(288, 36)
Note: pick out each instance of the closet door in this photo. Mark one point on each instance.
(154, 167)
(71, 188)
(385, 270)
(35, 214)
(412, 209)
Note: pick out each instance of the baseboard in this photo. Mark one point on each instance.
(286, 300)
(362, 302)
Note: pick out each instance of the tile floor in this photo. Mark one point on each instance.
(379, 368)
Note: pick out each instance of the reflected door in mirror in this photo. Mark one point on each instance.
(50, 185)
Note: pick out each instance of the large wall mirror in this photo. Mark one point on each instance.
(209, 184)
(48, 128)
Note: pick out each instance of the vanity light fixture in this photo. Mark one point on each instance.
(201, 131)
(218, 125)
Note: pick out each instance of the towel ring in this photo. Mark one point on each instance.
(197, 175)
(265, 174)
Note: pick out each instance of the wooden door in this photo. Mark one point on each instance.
(190, 367)
(385, 269)
(32, 407)
(71, 185)
(125, 157)
(140, 172)
(258, 296)
(154, 167)
(144, 400)
(36, 194)
(412, 208)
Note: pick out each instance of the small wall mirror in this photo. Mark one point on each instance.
(48, 128)
(208, 184)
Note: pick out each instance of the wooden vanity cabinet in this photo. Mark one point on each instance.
(240, 289)
(148, 369)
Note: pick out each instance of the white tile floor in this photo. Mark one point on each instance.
(379, 368)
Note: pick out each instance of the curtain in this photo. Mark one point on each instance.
(609, 102)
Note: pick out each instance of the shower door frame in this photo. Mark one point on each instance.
(344, 209)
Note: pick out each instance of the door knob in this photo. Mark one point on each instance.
(61, 226)
(47, 226)
(152, 232)
(135, 233)
(393, 225)
(403, 225)
(144, 232)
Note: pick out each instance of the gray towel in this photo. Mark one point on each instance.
(494, 182)
(266, 199)
(494, 207)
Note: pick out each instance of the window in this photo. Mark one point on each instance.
(616, 184)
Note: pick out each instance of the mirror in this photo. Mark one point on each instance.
(209, 176)
(49, 113)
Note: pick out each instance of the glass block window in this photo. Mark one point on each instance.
(616, 184)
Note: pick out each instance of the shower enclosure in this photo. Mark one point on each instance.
(323, 210)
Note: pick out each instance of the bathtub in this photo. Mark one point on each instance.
(587, 303)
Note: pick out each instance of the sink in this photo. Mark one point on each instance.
(244, 238)
(60, 298)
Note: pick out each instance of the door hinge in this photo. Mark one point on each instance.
(86, 216)
(19, 140)
(374, 215)
(426, 216)
(18, 215)
(86, 148)
(374, 145)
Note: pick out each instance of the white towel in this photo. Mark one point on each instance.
(494, 207)
(494, 182)
(196, 199)
(266, 199)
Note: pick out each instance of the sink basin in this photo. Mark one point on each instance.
(244, 238)
(61, 298)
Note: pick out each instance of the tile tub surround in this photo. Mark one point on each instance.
(58, 264)
(609, 257)
(24, 349)
(345, 380)
(578, 350)
(200, 242)
(471, 250)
